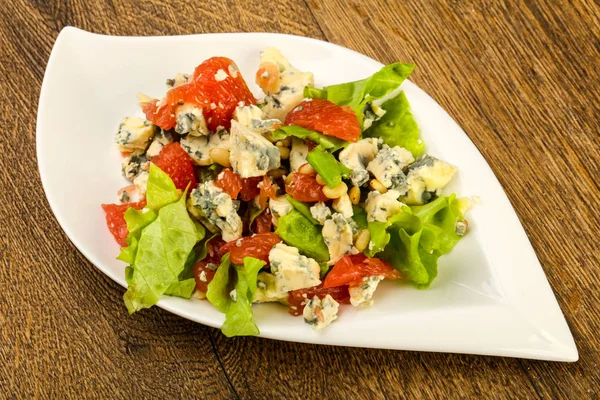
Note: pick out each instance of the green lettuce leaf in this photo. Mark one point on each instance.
(358, 94)
(314, 93)
(163, 250)
(201, 249)
(328, 143)
(397, 127)
(136, 221)
(296, 230)
(160, 190)
(302, 208)
(359, 216)
(331, 170)
(218, 289)
(252, 267)
(238, 317)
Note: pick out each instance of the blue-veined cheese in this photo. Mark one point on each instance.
(388, 165)
(298, 154)
(198, 147)
(343, 205)
(426, 178)
(291, 85)
(251, 154)
(381, 206)
(189, 120)
(292, 270)
(362, 295)
(133, 164)
(320, 312)
(252, 117)
(357, 156)
(178, 80)
(141, 182)
(320, 212)
(134, 133)
(338, 233)
(266, 289)
(279, 207)
(218, 208)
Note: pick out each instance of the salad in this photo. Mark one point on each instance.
(308, 197)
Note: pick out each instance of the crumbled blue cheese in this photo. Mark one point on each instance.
(266, 289)
(141, 182)
(291, 86)
(357, 156)
(291, 269)
(363, 293)
(381, 206)
(178, 80)
(426, 178)
(134, 133)
(320, 313)
(133, 164)
(154, 149)
(343, 205)
(164, 137)
(387, 167)
(252, 117)
(320, 212)
(298, 154)
(279, 207)
(190, 120)
(251, 154)
(338, 234)
(218, 208)
(198, 147)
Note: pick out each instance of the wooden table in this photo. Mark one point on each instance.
(521, 77)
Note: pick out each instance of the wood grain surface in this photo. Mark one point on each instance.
(521, 77)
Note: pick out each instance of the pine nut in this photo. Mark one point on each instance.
(287, 142)
(336, 192)
(307, 169)
(362, 240)
(284, 152)
(277, 173)
(354, 194)
(220, 156)
(288, 179)
(320, 180)
(377, 185)
(270, 137)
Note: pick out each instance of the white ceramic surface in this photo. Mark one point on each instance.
(491, 295)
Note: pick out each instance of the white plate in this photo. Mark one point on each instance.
(491, 295)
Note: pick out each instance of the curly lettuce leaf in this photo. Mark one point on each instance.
(252, 267)
(136, 221)
(160, 190)
(328, 143)
(297, 230)
(302, 208)
(162, 253)
(397, 126)
(331, 170)
(218, 289)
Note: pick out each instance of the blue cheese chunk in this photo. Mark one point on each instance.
(266, 290)
(134, 133)
(198, 147)
(218, 208)
(381, 206)
(343, 205)
(338, 234)
(141, 182)
(178, 80)
(426, 178)
(292, 270)
(290, 88)
(252, 117)
(320, 312)
(362, 295)
(298, 154)
(279, 207)
(251, 154)
(357, 156)
(387, 167)
(320, 212)
(154, 149)
(190, 120)
(134, 164)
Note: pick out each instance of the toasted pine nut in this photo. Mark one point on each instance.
(270, 137)
(362, 240)
(277, 173)
(284, 152)
(220, 156)
(336, 192)
(287, 142)
(320, 180)
(377, 185)
(307, 169)
(288, 179)
(354, 194)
